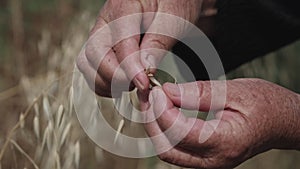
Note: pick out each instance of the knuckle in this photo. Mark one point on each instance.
(136, 4)
(103, 93)
(229, 153)
(161, 44)
(129, 5)
(80, 63)
(233, 154)
(171, 158)
(90, 49)
(165, 157)
(100, 89)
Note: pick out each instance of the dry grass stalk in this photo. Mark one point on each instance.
(36, 109)
(77, 154)
(11, 132)
(65, 133)
(57, 161)
(46, 133)
(69, 156)
(129, 98)
(54, 135)
(49, 136)
(71, 95)
(57, 144)
(24, 153)
(9, 93)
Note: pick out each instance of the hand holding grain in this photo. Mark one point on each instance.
(108, 46)
(258, 116)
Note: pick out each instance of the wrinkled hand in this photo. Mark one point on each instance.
(257, 116)
(120, 42)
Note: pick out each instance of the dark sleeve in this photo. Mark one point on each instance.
(247, 29)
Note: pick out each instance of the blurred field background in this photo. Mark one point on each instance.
(38, 128)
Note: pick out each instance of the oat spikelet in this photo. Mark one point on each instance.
(153, 81)
(120, 127)
(22, 122)
(49, 136)
(65, 133)
(59, 115)
(57, 161)
(36, 127)
(71, 95)
(69, 156)
(46, 107)
(45, 136)
(36, 109)
(77, 154)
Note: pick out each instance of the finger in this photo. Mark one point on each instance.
(179, 128)
(149, 9)
(167, 149)
(128, 55)
(111, 74)
(143, 100)
(175, 125)
(102, 58)
(161, 36)
(160, 141)
(99, 43)
(126, 39)
(168, 152)
(201, 95)
(95, 82)
(154, 47)
(183, 158)
(110, 70)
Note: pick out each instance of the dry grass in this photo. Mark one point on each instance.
(47, 134)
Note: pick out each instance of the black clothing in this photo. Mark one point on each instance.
(247, 29)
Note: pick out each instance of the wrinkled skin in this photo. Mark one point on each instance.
(258, 116)
(106, 48)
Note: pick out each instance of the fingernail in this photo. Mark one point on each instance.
(148, 61)
(173, 89)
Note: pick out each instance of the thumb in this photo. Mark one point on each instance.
(201, 95)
